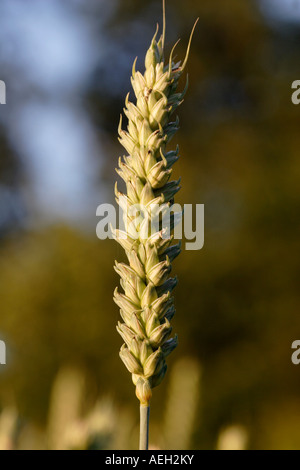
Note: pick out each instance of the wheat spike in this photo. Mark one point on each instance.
(147, 304)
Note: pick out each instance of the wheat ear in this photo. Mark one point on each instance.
(147, 305)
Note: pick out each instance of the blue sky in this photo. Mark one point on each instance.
(281, 10)
(50, 49)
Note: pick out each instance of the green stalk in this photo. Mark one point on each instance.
(144, 426)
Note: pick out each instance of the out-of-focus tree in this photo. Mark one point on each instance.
(238, 298)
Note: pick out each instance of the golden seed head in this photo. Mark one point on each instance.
(146, 306)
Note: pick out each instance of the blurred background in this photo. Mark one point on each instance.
(231, 383)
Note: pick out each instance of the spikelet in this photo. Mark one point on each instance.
(147, 305)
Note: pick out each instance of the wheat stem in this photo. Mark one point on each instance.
(144, 426)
